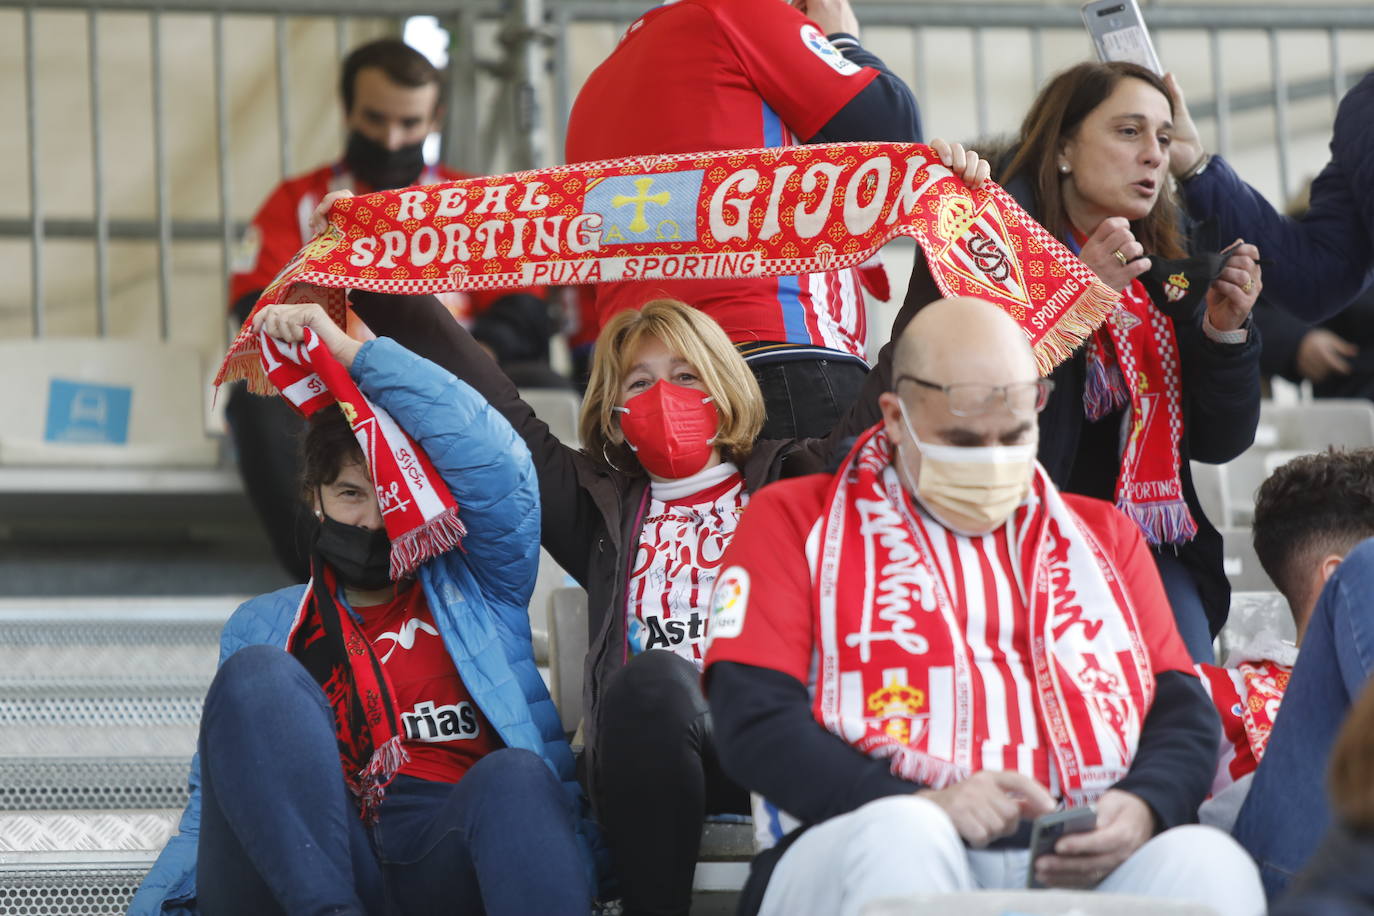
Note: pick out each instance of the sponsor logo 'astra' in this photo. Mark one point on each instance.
(425, 722)
(665, 634)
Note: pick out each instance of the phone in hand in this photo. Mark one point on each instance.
(1118, 33)
(1048, 828)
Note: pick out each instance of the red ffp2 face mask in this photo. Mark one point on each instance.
(670, 428)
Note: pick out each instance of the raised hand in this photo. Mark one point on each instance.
(1114, 254)
(1233, 293)
(1185, 146)
(288, 323)
(317, 219)
(964, 163)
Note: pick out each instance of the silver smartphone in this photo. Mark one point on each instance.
(1118, 33)
(1047, 830)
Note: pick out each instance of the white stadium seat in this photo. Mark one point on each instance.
(101, 403)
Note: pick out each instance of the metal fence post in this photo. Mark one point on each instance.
(102, 216)
(164, 215)
(35, 177)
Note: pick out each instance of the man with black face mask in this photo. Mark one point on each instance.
(392, 101)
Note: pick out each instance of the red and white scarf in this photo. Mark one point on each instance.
(893, 644)
(1133, 360)
(1247, 698)
(418, 508)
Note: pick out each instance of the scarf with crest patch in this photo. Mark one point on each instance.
(695, 216)
(896, 673)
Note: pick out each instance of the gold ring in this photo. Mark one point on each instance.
(1119, 256)
(1249, 285)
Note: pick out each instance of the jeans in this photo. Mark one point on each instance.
(805, 398)
(280, 833)
(1286, 813)
(903, 846)
(655, 778)
(1189, 614)
(266, 433)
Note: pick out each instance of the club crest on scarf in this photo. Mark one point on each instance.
(698, 216)
(977, 249)
(417, 507)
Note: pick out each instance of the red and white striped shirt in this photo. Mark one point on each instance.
(686, 529)
(983, 578)
(771, 623)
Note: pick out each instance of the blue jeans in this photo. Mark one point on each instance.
(1189, 614)
(280, 833)
(805, 398)
(1286, 812)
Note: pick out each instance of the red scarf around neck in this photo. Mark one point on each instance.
(887, 627)
(1133, 361)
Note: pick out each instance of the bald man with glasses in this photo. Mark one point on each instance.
(911, 660)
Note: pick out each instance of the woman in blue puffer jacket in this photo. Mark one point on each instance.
(488, 789)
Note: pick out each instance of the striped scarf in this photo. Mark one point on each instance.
(896, 650)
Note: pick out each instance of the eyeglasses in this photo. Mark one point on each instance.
(969, 399)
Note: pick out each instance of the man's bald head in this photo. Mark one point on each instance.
(961, 340)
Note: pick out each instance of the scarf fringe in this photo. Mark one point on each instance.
(1104, 390)
(370, 789)
(918, 766)
(434, 538)
(245, 363)
(1162, 523)
(1076, 325)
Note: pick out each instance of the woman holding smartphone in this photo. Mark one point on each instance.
(1153, 387)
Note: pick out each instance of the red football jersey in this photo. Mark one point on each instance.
(445, 731)
(766, 585)
(281, 225)
(725, 74)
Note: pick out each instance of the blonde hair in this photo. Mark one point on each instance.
(696, 338)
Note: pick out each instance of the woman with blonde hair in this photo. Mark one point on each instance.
(640, 517)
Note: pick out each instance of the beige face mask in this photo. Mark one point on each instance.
(985, 483)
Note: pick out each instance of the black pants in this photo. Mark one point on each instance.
(807, 397)
(656, 777)
(266, 435)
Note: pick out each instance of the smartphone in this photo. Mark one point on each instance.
(1047, 830)
(1118, 33)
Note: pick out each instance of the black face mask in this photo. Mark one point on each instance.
(1179, 287)
(361, 558)
(383, 169)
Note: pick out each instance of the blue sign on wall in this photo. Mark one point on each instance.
(87, 412)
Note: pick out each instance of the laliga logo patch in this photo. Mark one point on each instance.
(729, 601)
(820, 46)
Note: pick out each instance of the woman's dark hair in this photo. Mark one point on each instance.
(327, 446)
(401, 63)
(1056, 116)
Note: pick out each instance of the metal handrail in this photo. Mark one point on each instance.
(512, 126)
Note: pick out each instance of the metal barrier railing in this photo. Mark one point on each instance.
(525, 58)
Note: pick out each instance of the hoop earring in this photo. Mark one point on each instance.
(607, 459)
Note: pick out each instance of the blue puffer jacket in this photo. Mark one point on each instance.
(478, 594)
(1322, 261)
